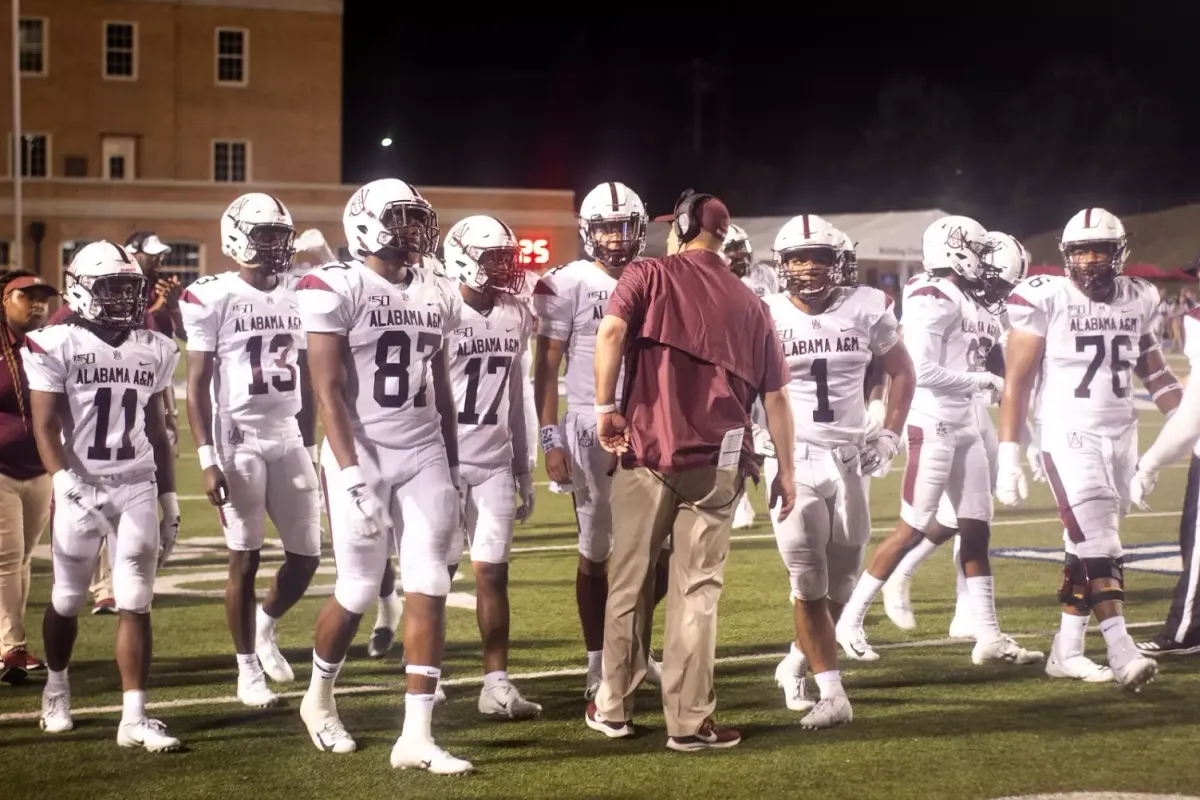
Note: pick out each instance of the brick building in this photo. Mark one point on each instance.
(155, 114)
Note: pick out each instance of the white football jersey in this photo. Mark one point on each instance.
(1191, 349)
(1090, 350)
(486, 356)
(569, 302)
(762, 279)
(393, 331)
(827, 356)
(107, 389)
(256, 337)
(947, 332)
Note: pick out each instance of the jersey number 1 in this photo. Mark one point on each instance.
(820, 373)
(99, 450)
(469, 415)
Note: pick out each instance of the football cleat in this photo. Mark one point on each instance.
(252, 691)
(415, 753)
(503, 700)
(1080, 668)
(854, 644)
(896, 603)
(1136, 673)
(1004, 649)
(653, 670)
(381, 642)
(829, 712)
(792, 683)
(325, 728)
(148, 733)
(273, 662)
(56, 712)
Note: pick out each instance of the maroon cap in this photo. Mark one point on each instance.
(714, 217)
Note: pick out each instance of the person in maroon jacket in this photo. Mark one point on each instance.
(699, 347)
(24, 485)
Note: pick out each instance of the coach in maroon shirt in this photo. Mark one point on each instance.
(699, 348)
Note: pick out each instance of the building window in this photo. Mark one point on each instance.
(120, 50)
(34, 155)
(184, 262)
(5, 254)
(231, 162)
(33, 56)
(233, 52)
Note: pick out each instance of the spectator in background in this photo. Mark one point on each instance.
(24, 485)
(1171, 317)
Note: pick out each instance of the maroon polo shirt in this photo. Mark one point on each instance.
(700, 348)
(19, 458)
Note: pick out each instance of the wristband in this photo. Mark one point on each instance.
(607, 408)
(551, 438)
(312, 453)
(208, 456)
(352, 476)
(169, 503)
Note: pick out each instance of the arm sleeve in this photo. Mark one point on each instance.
(201, 320)
(45, 369)
(322, 307)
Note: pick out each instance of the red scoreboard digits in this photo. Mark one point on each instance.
(534, 252)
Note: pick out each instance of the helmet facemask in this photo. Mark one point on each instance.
(615, 242)
(116, 301)
(1094, 266)
(740, 257)
(412, 231)
(270, 247)
(499, 268)
(809, 272)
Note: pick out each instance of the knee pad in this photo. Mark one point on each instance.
(427, 577)
(593, 545)
(1098, 568)
(810, 584)
(1074, 575)
(67, 601)
(133, 593)
(356, 594)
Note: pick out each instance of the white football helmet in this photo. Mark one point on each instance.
(257, 231)
(1007, 265)
(105, 285)
(612, 224)
(389, 219)
(806, 256)
(955, 243)
(737, 250)
(1094, 249)
(847, 267)
(483, 253)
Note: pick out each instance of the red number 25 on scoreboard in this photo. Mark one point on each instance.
(534, 251)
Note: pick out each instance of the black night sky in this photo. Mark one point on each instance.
(1021, 115)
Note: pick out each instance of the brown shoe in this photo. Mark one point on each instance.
(105, 606)
(33, 664)
(13, 669)
(710, 737)
(611, 729)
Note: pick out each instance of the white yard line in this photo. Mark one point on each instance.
(474, 680)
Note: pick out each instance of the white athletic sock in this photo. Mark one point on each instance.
(264, 625)
(795, 658)
(594, 659)
(1070, 635)
(494, 679)
(323, 676)
(983, 607)
(855, 612)
(418, 717)
(133, 706)
(248, 664)
(913, 559)
(1121, 649)
(57, 681)
(390, 610)
(829, 684)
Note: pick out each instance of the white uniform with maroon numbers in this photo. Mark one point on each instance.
(570, 302)
(947, 335)
(525, 295)
(762, 279)
(256, 337)
(485, 369)
(106, 391)
(392, 333)
(823, 541)
(1087, 418)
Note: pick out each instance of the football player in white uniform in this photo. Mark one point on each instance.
(376, 334)
(946, 332)
(829, 335)
(1080, 335)
(761, 278)
(97, 382)
(1006, 265)
(570, 302)
(250, 406)
(482, 256)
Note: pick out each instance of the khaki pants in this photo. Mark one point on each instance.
(24, 512)
(697, 508)
(101, 587)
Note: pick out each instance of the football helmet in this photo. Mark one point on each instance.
(257, 231)
(612, 224)
(1094, 249)
(1007, 265)
(737, 250)
(389, 219)
(482, 252)
(846, 273)
(806, 256)
(955, 243)
(105, 285)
